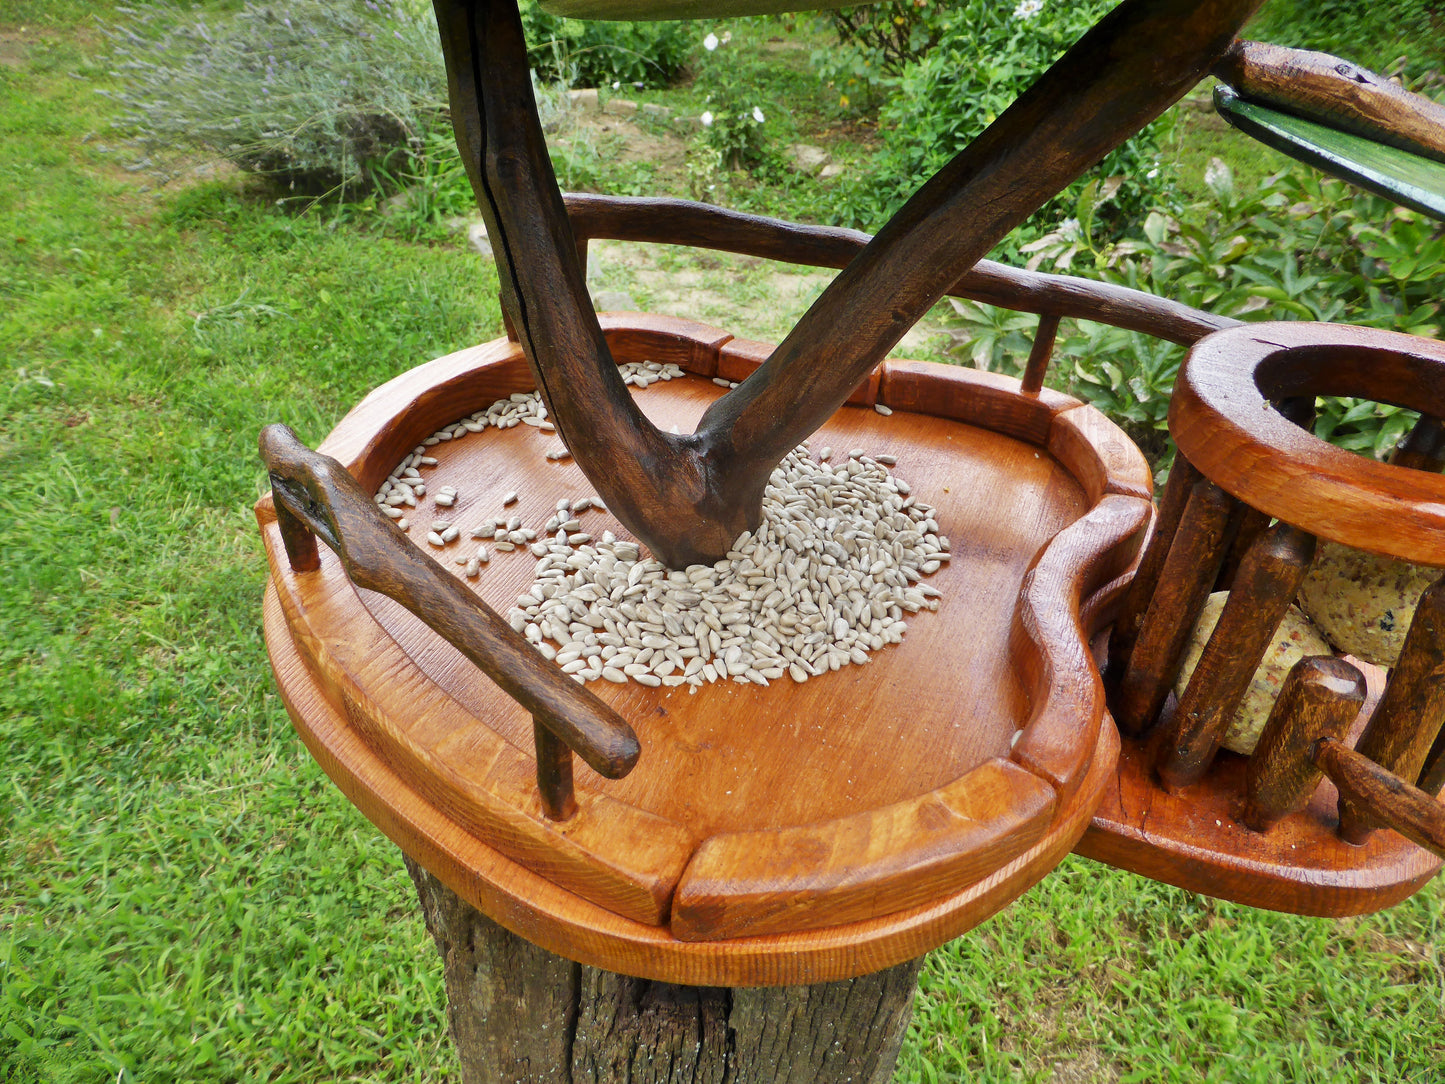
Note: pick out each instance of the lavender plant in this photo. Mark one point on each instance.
(319, 94)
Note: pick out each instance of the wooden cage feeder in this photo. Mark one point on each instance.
(741, 835)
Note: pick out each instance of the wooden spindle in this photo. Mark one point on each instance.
(1252, 524)
(1184, 583)
(1320, 698)
(1389, 800)
(1423, 447)
(1406, 722)
(1268, 580)
(1432, 776)
(554, 773)
(300, 543)
(1135, 604)
(1039, 355)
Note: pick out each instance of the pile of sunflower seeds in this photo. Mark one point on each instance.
(829, 576)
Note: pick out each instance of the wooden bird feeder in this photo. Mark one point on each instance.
(809, 833)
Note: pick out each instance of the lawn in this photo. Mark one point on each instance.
(183, 894)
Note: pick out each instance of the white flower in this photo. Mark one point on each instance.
(727, 36)
(616, 85)
(1027, 9)
(758, 115)
(706, 118)
(710, 42)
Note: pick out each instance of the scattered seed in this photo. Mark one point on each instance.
(881, 409)
(510, 498)
(434, 538)
(450, 534)
(557, 454)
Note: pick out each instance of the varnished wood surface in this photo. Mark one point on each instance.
(1410, 714)
(1195, 554)
(571, 926)
(1195, 839)
(1222, 420)
(1320, 698)
(857, 741)
(1269, 578)
(1366, 785)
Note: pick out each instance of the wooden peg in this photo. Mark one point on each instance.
(1388, 799)
(1406, 722)
(1320, 698)
(554, 773)
(1135, 604)
(1184, 583)
(1039, 355)
(1432, 776)
(300, 543)
(1423, 447)
(1268, 580)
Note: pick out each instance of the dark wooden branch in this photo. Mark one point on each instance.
(1268, 580)
(317, 492)
(651, 480)
(1332, 91)
(688, 497)
(1408, 718)
(1387, 798)
(1320, 698)
(701, 225)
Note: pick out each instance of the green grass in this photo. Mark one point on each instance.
(184, 896)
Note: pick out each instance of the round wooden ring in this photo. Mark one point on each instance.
(1224, 422)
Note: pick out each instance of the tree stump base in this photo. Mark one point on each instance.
(520, 1014)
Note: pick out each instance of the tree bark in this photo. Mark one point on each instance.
(520, 1014)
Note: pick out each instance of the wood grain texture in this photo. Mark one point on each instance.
(705, 225)
(1335, 92)
(377, 556)
(520, 1013)
(1221, 417)
(743, 884)
(1050, 642)
(1196, 840)
(1320, 698)
(1135, 603)
(459, 763)
(571, 926)
(1184, 583)
(1268, 580)
(1410, 715)
(863, 739)
(1389, 800)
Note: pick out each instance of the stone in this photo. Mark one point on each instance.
(652, 109)
(583, 99)
(613, 301)
(620, 107)
(477, 238)
(831, 170)
(807, 158)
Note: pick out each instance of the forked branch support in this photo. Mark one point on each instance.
(689, 496)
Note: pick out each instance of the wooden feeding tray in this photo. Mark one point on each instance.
(788, 834)
(1176, 812)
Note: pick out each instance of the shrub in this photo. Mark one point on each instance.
(316, 93)
(598, 53)
(985, 53)
(1301, 247)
